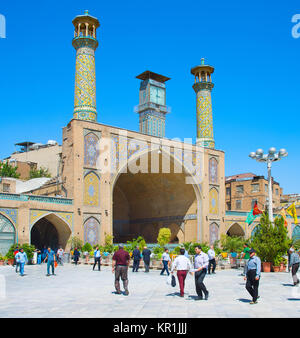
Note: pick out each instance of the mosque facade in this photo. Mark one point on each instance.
(126, 183)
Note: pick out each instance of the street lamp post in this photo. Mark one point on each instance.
(270, 157)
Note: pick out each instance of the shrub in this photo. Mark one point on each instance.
(232, 243)
(158, 250)
(87, 247)
(270, 241)
(164, 236)
(10, 253)
(204, 247)
(29, 249)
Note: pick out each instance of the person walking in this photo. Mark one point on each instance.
(39, 257)
(294, 265)
(200, 264)
(50, 257)
(291, 249)
(245, 256)
(44, 253)
(120, 262)
(146, 257)
(60, 256)
(76, 256)
(212, 260)
(21, 259)
(253, 272)
(166, 260)
(136, 254)
(182, 265)
(97, 259)
(15, 261)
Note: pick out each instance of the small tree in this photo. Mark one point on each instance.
(75, 242)
(7, 170)
(36, 173)
(270, 240)
(87, 247)
(108, 243)
(164, 236)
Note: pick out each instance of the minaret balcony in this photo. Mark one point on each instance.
(152, 106)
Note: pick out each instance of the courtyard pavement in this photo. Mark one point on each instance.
(77, 291)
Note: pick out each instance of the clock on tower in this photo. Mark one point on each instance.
(152, 103)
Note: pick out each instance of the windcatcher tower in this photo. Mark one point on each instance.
(152, 107)
(202, 88)
(85, 42)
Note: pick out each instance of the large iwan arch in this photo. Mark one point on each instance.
(145, 202)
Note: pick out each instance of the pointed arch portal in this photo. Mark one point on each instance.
(50, 231)
(145, 202)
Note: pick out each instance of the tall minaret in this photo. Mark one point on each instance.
(85, 43)
(203, 87)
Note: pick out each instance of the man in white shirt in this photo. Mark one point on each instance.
(182, 264)
(166, 260)
(60, 255)
(201, 264)
(212, 259)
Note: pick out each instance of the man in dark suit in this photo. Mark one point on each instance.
(136, 255)
(146, 256)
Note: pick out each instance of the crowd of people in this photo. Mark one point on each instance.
(203, 263)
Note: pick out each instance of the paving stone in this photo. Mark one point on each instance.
(81, 292)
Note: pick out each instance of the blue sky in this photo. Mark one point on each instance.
(256, 60)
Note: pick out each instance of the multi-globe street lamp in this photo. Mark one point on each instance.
(270, 157)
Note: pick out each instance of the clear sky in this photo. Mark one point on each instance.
(250, 44)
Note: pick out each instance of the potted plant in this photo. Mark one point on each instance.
(232, 244)
(2, 260)
(276, 263)
(283, 264)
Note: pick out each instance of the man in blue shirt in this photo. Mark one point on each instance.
(253, 271)
(97, 258)
(50, 257)
(21, 259)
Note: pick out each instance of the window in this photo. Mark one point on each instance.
(6, 187)
(240, 189)
(277, 192)
(253, 202)
(228, 205)
(266, 188)
(255, 187)
(228, 191)
(238, 204)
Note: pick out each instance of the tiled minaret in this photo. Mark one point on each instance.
(203, 87)
(85, 43)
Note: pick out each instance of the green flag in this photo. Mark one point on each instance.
(250, 217)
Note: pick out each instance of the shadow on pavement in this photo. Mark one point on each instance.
(244, 300)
